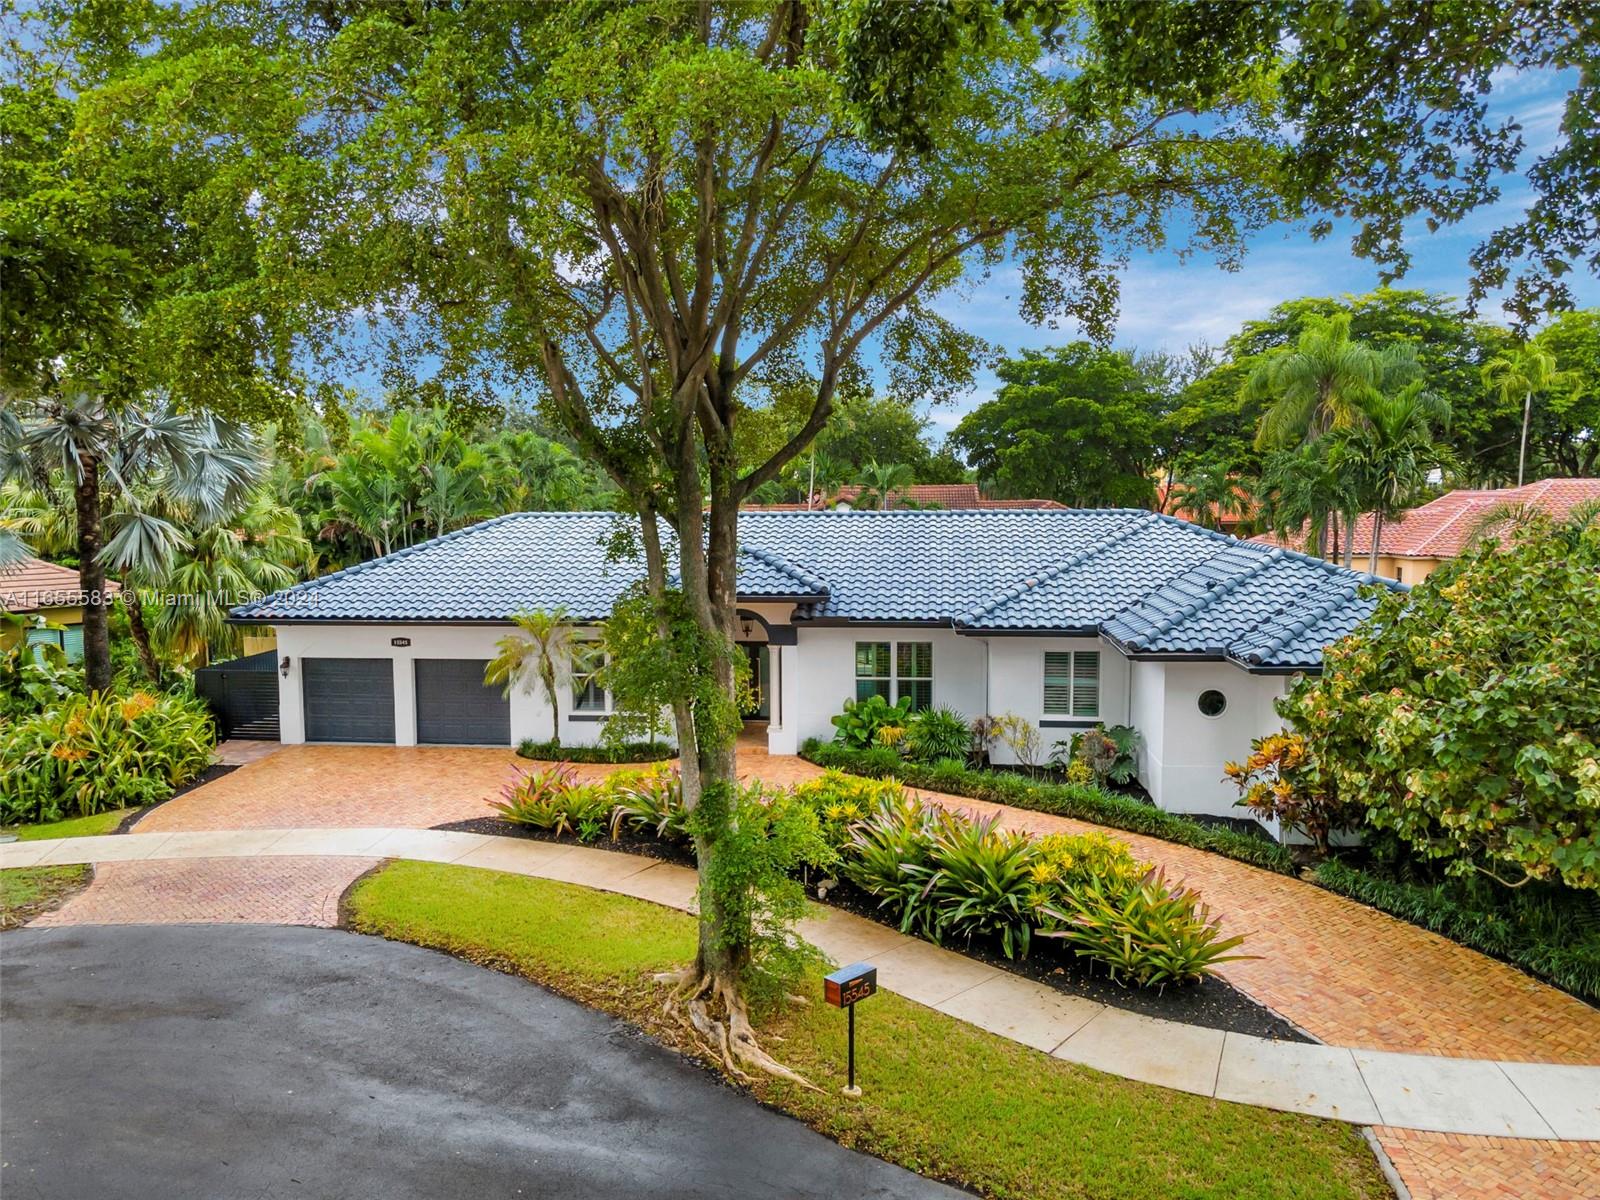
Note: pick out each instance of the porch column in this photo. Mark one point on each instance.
(781, 707)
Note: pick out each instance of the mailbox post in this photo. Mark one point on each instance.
(843, 989)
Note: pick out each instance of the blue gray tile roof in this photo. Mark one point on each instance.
(1151, 584)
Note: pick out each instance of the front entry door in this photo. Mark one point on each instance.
(760, 677)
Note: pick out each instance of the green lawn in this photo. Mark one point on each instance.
(941, 1097)
(25, 892)
(105, 822)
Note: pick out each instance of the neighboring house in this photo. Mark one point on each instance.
(1227, 522)
(1421, 541)
(48, 596)
(921, 495)
(1067, 617)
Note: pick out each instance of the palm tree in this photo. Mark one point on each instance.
(535, 646)
(1522, 371)
(879, 482)
(1211, 493)
(1319, 385)
(1305, 489)
(1390, 454)
(82, 442)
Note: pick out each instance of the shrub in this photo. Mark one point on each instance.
(979, 882)
(625, 752)
(1063, 799)
(1465, 714)
(1069, 862)
(1281, 779)
(649, 802)
(1020, 734)
(859, 723)
(1110, 753)
(938, 733)
(842, 801)
(1151, 934)
(87, 754)
(885, 856)
(552, 799)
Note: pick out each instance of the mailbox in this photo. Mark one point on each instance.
(850, 984)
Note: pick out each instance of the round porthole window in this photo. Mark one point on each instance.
(1212, 703)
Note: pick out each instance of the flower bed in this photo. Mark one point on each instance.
(627, 752)
(1084, 802)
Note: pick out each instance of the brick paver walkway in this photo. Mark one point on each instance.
(176, 891)
(1450, 1166)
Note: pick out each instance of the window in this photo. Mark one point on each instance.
(587, 694)
(68, 640)
(1212, 703)
(1072, 683)
(912, 675)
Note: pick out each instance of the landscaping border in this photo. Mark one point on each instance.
(628, 752)
(1080, 801)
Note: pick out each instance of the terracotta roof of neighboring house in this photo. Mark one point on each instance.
(945, 495)
(1442, 528)
(33, 584)
(1156, 586)
(1224, 521)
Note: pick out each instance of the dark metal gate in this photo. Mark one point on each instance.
(243, 694)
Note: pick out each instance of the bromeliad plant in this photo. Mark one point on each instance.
(842, 801)
(649, 802)
(1151, 935)
(978, 882)
(552, 799)
(91, 754)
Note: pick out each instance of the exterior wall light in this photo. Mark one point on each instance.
(283, 667)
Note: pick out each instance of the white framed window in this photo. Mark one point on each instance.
(587, 694)
(1072, 684)
(895, 670)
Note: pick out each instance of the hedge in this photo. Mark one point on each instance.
(1080, 801)
(628, 752)
(1573, 968)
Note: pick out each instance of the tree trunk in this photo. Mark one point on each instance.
(1522, 450)
(1377, 535)
(1349, 541)
(141, 635)
(547, 672)
(92, 576)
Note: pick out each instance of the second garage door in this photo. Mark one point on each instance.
(349, 699)
(454, 706)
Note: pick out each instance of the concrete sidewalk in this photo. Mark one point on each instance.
(1463, 1096)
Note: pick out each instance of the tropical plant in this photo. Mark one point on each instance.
(1151, 935)
(1281, 780)
(138, 452)
(885, 856)
(1319, 385)
(1067, 863)
(552, 799)
(1520, 372)
(860, 722)
(88, 754)
(936, 733)
(534, 647)
(881, 482)
(649, 801)
(841, 801)
(1021, 736)
(1463, 715)
(978, 882)
(1305, 490)
(33, 675)
(1111, 753)
(1210, 494)
(1389, 456)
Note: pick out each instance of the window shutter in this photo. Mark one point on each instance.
(1058, 682)
(1086, 683)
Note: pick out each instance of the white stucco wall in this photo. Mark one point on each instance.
(1192, 747)
(1016, 685)
(1147, 707)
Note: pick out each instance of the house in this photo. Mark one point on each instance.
(1067, 617)
(51, 599)
(919, 495)
(1413, 546)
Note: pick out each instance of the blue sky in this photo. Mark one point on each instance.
(1168, 304)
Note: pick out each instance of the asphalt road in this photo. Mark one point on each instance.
(258, 1062)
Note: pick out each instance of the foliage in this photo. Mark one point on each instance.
(649, 801)
(1521, 371)
(1069, 862)
(889, 854)
(1564, 429)
(627, 752)
(32, 677)
(881, 482)
(841, 801)
(1111, 753)
(1067, 800)
(1020, 735)
(978, 882)
(1078, 424)
(552, 799)
(858, 726)
(87, 754)
(534, 647)
(1463, 714)
(936, 733)
(1151, 935)
(1282, 781)
(1553, 937)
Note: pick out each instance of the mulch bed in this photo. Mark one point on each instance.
(214, 771)
(1212, 1003)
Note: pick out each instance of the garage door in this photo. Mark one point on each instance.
(349, 699)
(453, 706)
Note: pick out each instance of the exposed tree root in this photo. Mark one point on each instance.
(717, 1014)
